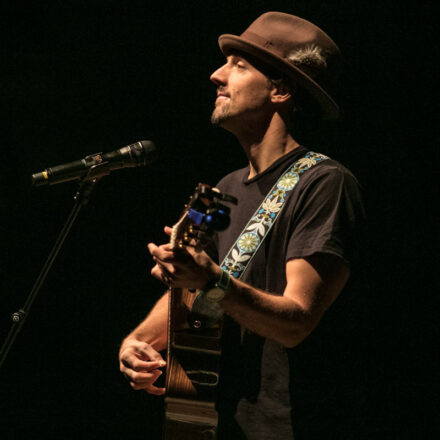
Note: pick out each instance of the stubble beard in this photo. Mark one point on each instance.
(220, 114)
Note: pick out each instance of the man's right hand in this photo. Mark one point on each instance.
(139, 362)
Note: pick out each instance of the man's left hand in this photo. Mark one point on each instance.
(186, 268)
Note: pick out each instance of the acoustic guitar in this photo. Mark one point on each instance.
(193, 351)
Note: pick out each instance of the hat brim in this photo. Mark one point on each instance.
(228, 43)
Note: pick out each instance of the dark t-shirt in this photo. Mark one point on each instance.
(320, 216)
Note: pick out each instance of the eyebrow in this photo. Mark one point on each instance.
(236, 55)
(256, 63)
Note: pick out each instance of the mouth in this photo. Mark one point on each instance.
(222, 96)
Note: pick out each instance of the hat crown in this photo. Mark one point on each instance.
(284, 34)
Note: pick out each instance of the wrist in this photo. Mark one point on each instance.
(216, 289)
(213, 277)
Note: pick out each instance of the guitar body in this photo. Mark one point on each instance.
(193, 355)
(192, 373)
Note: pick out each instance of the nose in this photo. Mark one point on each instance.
(219, 76)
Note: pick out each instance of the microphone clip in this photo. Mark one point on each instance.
(98, 169)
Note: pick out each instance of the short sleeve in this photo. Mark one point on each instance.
(327, 215)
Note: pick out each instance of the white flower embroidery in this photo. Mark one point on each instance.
(248, 242)
(234, 267)
(305, 162)
(238, 257)
(258, 227)
(288, 181)
(272, 205)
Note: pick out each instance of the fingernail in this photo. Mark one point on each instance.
(162, 363)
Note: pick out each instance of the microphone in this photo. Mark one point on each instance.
(97, 165)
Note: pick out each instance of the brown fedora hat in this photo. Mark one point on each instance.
(295, 47)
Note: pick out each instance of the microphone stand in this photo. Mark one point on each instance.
(81, 198)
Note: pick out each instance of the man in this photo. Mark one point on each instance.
(280, 67)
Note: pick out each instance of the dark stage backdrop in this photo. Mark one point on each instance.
(85, 76)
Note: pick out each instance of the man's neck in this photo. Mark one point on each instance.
(264, 145)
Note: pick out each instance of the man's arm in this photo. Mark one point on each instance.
(139, 357)
(313, 283)
(153, 329)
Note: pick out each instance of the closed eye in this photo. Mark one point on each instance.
(238, 62)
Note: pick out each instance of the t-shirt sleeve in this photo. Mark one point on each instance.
(327, 215)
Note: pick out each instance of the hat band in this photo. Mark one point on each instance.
(252, 38)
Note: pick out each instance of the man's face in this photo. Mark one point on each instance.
(243, 93)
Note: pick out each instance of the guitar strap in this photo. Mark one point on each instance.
(250, 239)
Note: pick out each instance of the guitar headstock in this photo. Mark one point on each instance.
(202, 215)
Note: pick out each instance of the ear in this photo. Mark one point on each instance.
(280, 93)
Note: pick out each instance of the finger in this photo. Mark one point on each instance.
(147, 353)
(142, 380)
(162, 275)
(138, 365)
(151, 389)
(169, 269)
(168, 230)
(138, 378)
(153, 365)
(193, 252)
(163, 252)
(157, 272)
(148, 386)
(138, 351)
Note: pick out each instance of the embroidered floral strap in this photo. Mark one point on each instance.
(249, 241)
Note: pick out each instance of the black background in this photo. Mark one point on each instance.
(82, 77)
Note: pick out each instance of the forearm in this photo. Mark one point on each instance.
(153, 329)
(275, 317)
(312, 286)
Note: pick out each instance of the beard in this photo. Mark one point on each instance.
(220, 114)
